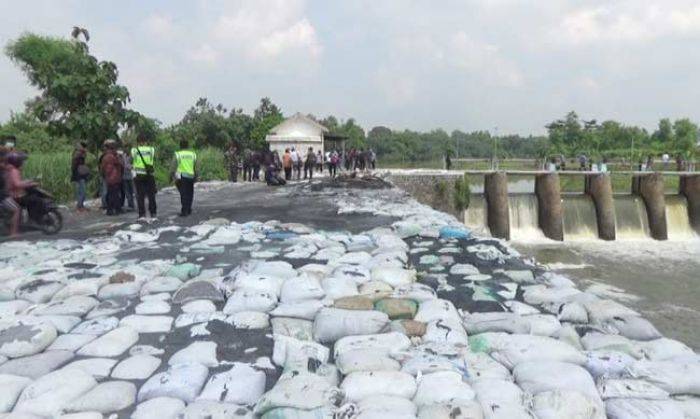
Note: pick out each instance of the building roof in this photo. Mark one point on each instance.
(298, 125)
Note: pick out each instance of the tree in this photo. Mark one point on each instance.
(685, 135)
(80, 97)
(265, 117)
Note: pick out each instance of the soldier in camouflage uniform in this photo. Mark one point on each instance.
(232, 159)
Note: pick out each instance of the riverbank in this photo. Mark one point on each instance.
(308, 300)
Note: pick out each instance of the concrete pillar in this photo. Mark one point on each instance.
(496, 192)
(550, 211)
(599, 188)
(651, 188)
(690, 188)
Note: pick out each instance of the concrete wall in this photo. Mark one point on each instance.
(435, 190)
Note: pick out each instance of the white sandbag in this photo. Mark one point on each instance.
(181, 381)
(437, 309)
(383, 405)
(414, 291)
(516, 349)
(241, 384)
(306, 310)
(664, 348)
(568, 334)
(507, 411)
(277, 268)
(250, 300)
(480, 366)
(642, 409)
(394, 276)
(249, 320)
(362, 384)
(542, 294)
(353, 258)
(358, 273)
(536, 324)
(632, 327)
(673, 376)
(390, 241)
(608, 363)
(521, 309)
(299, 391)
(690, 405)
(492, 393)
(264, 283)
(314, 270)
(297, 328)
(405, 228)
(573, 312)
(593, 341)
(628, 388)
(539, 376)
(289, 351)
(445, 331)
(560, 404)
(335, 288)
(332, 324)
(442, 387)
(365, 360)
(600, 311)
(471, 410)
(384, 343)
(301, 288)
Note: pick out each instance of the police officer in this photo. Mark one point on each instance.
(143, 157)
(185, 174)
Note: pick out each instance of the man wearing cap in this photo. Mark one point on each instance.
(185, 174)
(143, 158)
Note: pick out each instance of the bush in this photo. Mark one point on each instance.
(462, 193)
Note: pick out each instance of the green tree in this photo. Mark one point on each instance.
(685, 134)
(265, 117)
(80, 97)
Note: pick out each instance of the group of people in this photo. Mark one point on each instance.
(558, 163)
(278, 170)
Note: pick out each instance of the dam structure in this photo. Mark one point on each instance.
(530, 205)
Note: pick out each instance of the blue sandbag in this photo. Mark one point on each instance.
(281, 235)
(450, 232)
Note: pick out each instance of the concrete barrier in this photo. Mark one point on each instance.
(550, 212)
(496, 193)
(690, 188)
(651, 188)
(599, 188)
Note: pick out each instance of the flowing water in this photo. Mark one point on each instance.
(475, 217)
(677, 220)
(580, 222)
(631, 222)
(523, 217)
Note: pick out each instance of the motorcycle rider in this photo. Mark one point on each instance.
(6, 202)
(17, 189)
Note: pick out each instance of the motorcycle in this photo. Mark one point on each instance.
(46, 216)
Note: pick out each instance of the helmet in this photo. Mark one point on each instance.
(16, 159)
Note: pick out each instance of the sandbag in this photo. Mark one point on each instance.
(664, 348)
(394, 276)
(471, 410)
(642, 409)
(301, 288)
(250, 300)
(516, 349)
(335, 288)
(632, 327)
(264, 283)
(437, 309)
(536, 324)
(332, 324)
(690, 405)
(382, 406)
(384, 343)
(626, 388)
(539, 376)
(673, 376)
(362, 384)
(442, 387)
(306, 310)
(365, 360)
(608, 363)
(297, 328)
(600, 311)
(593, 341)
(290, 351)
(558, 404)
(299, 391)
(445, 331)
(494, 393)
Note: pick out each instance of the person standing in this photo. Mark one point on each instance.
(231, 157)
(296, 162)
(112, 170)
(309, 162)
(373, 158)
(247, 168)
(185, 175)
(256, 161)
(448, 161)
(287, 164)
(319, 161)
(333, 164)
(143, 156)
(127, 179)
(80, 173)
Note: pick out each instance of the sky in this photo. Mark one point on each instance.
(510, 65)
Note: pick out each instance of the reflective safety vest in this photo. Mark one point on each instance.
(139, 163)
(185, 162)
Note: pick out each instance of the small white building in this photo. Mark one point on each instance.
(298, 131)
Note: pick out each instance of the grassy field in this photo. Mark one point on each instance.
(52, 170)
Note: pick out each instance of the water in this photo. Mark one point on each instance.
(663, 275)
(631, 220)
(475, 217)
(677, 220)
(580, 222)
(523, 217)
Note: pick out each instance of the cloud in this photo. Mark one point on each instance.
(483, 59)
(160, 26)
(204, 54)
(628, 21)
